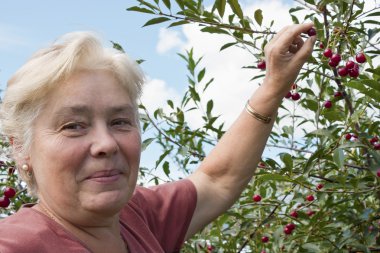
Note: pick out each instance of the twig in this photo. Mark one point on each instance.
(290, 148)
(311, 7)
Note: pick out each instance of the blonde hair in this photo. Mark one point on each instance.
(27, 91)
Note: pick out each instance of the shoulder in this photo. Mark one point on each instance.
(30, 231)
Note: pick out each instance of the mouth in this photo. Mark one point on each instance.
(105, 176)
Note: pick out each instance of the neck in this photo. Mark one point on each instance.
(99, 237)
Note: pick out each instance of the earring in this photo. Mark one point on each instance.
(25, 167)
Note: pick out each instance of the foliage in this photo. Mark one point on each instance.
(345, 214)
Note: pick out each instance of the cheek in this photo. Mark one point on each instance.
(132, 149)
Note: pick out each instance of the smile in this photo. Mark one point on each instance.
(106, 176)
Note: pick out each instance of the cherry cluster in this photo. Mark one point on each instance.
(293, 94)
(350, 68)
(375, 142)
(9, 193)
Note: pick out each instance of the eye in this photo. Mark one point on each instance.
(72, 126)
(121, 123)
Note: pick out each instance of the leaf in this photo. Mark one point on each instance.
(140, 9)
(373, 14)
(183, 22)
(322, 132)
(235, 6)
(274, 177)
(201, 74)
(165, 167)
(154, 21)
(372, 93)
(167, 3)
(310, 247)
(339, 157)
(220, 5)
(210, 105)
(212, 29)
(227, 45)
(259, 16)
(146, 143)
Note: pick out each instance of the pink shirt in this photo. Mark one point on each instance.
(154, 220)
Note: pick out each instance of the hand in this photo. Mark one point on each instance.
(284, 56)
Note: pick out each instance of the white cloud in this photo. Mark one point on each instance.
(167, 40)
(156, 93)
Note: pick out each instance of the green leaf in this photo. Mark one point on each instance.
(140, 9)
(165, 167)
(167, 3)
(322, 132)
(201, 74)
(310, 247)
(154, 21)
(146, 143)
(339, 157)
(274, 177)
(210, 105)
(220, 5)
(259, 16)
(227, 45)
(372, 93)
(373, 14)
(183, 22)
(235, 6)
(213, 29)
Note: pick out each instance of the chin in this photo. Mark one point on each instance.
(109, 202)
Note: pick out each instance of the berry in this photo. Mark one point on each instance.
(337, 94)
(350, 64)
(321, 45)
(256, 198)
(376, 146)
(294, 86)
(291, 226)
(265, 239)
(327, 53)
(261, 65)
(319, 186)
(296, 96)
(312, 32)
(354, 72)
(4, 202)
(348, 136)
(360, 58)
(343, 71)
(294, 214)
(374, 140)
(336, 58)
(9, 192)
(327, 104)
(288, 95)
(262, 165)
(378, 173)
(310, 213)
(287, 231)
(310, 198)
(333, 63)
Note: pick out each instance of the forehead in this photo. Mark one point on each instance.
(90, 90)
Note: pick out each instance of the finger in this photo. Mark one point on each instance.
(278, 34)
(293, 32)
(305, 51)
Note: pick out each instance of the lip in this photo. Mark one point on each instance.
(105, 176)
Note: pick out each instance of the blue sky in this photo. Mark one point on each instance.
(26, 26)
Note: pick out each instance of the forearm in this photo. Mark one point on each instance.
(233, 160)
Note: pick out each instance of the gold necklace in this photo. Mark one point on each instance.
(48, 213)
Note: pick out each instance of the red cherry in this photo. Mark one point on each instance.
(336, 58)
(9, 192)
(294, 214)
(343, 71)
(296, 96)
(256, 198)
(337, 94)
(261, 65)
(354, 72)
(291, 226)
(287, 231)
(378, 173)
(350, 64)
(376, 146)
(288, 95)
(4, 201)
(210, 248)
(360, 57)
(310, 213)
(327, 53)
(327, 104)
(265, 239)
(333, 63)
(310, 198)
(374, 140)
(294, 86)
(320, 186)
(321, 45)
(348, 136)
(312, 32)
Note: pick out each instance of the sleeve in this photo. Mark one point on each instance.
(168, 209)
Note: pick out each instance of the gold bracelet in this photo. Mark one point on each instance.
(257, 115)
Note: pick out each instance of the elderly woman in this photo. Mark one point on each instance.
(71, 113)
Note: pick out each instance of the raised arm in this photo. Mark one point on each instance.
(229, 167)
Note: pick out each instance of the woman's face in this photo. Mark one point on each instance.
(86, 149)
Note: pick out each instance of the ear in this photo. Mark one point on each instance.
(17, 153)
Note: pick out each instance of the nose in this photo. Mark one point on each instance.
(104, 143)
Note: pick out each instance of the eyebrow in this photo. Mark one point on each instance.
(83, 110)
